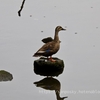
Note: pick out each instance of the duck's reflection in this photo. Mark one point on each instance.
(51, 84)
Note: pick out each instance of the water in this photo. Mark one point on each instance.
(20, 38)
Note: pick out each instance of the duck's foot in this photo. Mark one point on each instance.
(50, 59)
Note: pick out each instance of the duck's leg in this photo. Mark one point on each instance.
(47, 58)
(52, 60)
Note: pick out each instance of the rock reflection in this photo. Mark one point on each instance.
(5, 76)
(51, 84)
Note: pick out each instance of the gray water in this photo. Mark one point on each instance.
(20, 38)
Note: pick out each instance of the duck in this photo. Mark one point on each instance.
(50, 48)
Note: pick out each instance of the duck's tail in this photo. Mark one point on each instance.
(38, 54)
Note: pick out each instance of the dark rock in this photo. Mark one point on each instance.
(45, 67)
(5, 76)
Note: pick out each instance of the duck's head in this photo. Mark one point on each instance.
(59, 28)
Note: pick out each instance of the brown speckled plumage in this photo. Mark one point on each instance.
(50, 48)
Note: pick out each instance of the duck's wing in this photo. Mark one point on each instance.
(46, 48)
(46, 40)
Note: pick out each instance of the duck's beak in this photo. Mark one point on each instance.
(64, 98)
(63, 29)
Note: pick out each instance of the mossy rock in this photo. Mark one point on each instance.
(45, 67)
(5, 76)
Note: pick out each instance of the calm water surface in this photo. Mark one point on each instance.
(20, 38)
